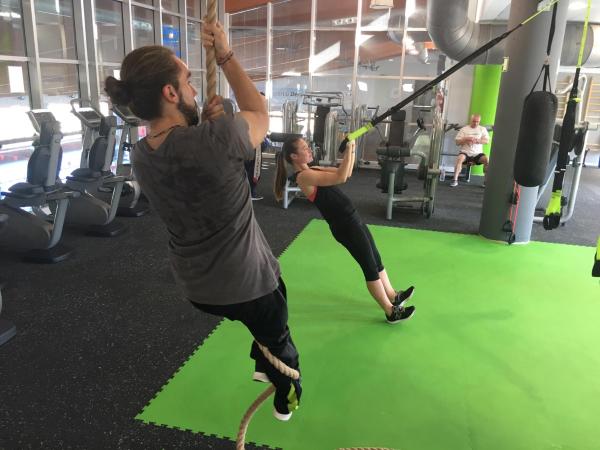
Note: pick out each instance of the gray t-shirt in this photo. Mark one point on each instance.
(197, 184)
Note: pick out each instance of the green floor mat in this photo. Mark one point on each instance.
(501, 354)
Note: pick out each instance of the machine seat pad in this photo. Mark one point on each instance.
(26, 190)
(84, 175)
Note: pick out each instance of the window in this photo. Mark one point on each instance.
(197, 80)
(12, 41)
(143, 27)
(340, 14)
(250, 47)
(170, 5)
(55, 29)
(60, 84)
(291, 51)
(14, 101)
(193, 8)
(334, 52)
(171, 33)
(378, 55)
(293, 13)
(194, 45)
(109, 21)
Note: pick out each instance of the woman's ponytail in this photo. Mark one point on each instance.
(280, 176)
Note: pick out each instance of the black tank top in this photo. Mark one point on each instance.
(332, 203)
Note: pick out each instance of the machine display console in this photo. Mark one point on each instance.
(125, 114)
(89, 116)
(38, 117)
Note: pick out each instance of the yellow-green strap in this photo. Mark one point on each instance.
(358, 133)
(545, 8)
(584, 36)
(292, 398)
(554, 205)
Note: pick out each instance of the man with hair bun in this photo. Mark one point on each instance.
(193, 174)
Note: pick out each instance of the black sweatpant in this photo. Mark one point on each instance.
(266, 318)
(356, 237)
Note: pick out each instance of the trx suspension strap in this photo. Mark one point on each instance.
(538, 120)
(358, 133)
(554, 208)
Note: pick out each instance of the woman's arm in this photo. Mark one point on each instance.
(309, 178)
(351, 148)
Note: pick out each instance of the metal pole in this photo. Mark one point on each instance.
(526, 52)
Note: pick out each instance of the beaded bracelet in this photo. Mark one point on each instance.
(224, 59)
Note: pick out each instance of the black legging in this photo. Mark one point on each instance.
(356, 237)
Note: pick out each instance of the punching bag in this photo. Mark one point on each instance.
(535, 138)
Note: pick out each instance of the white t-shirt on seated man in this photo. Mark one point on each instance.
(470, 140)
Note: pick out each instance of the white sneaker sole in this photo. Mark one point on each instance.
(393, 322)
(260, 377)
(282, 417)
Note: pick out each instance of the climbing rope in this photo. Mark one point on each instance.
(211, 57)
(293, 374)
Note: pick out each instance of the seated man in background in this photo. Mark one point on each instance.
(470, 140)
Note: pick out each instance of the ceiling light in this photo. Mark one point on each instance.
(291, 74)
(382, 4)
(344, 21)
(577, 5)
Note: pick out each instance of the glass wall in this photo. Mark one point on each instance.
(64, 50)
(143, 26)
(12, 39)
(372, 57)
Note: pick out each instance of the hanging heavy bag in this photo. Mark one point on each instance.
(535, 138)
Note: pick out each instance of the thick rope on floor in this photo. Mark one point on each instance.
(241, 437)
(288, 371)
(211, 57)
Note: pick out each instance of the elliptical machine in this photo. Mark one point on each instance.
(100, 189)
(39, 231)
(129, 205)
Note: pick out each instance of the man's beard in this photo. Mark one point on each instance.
(189, 112)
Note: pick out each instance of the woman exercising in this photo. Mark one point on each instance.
(319, 186)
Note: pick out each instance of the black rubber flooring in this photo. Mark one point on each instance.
(100, 334)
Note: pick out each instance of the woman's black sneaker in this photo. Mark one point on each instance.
(400, 313)
(402, 296)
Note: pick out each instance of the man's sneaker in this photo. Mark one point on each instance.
(260, 377)
(400, 313)
(454, 183)
(260, 372)
(258, 197)
(402, 296)
(280, 416)
(283, 407)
